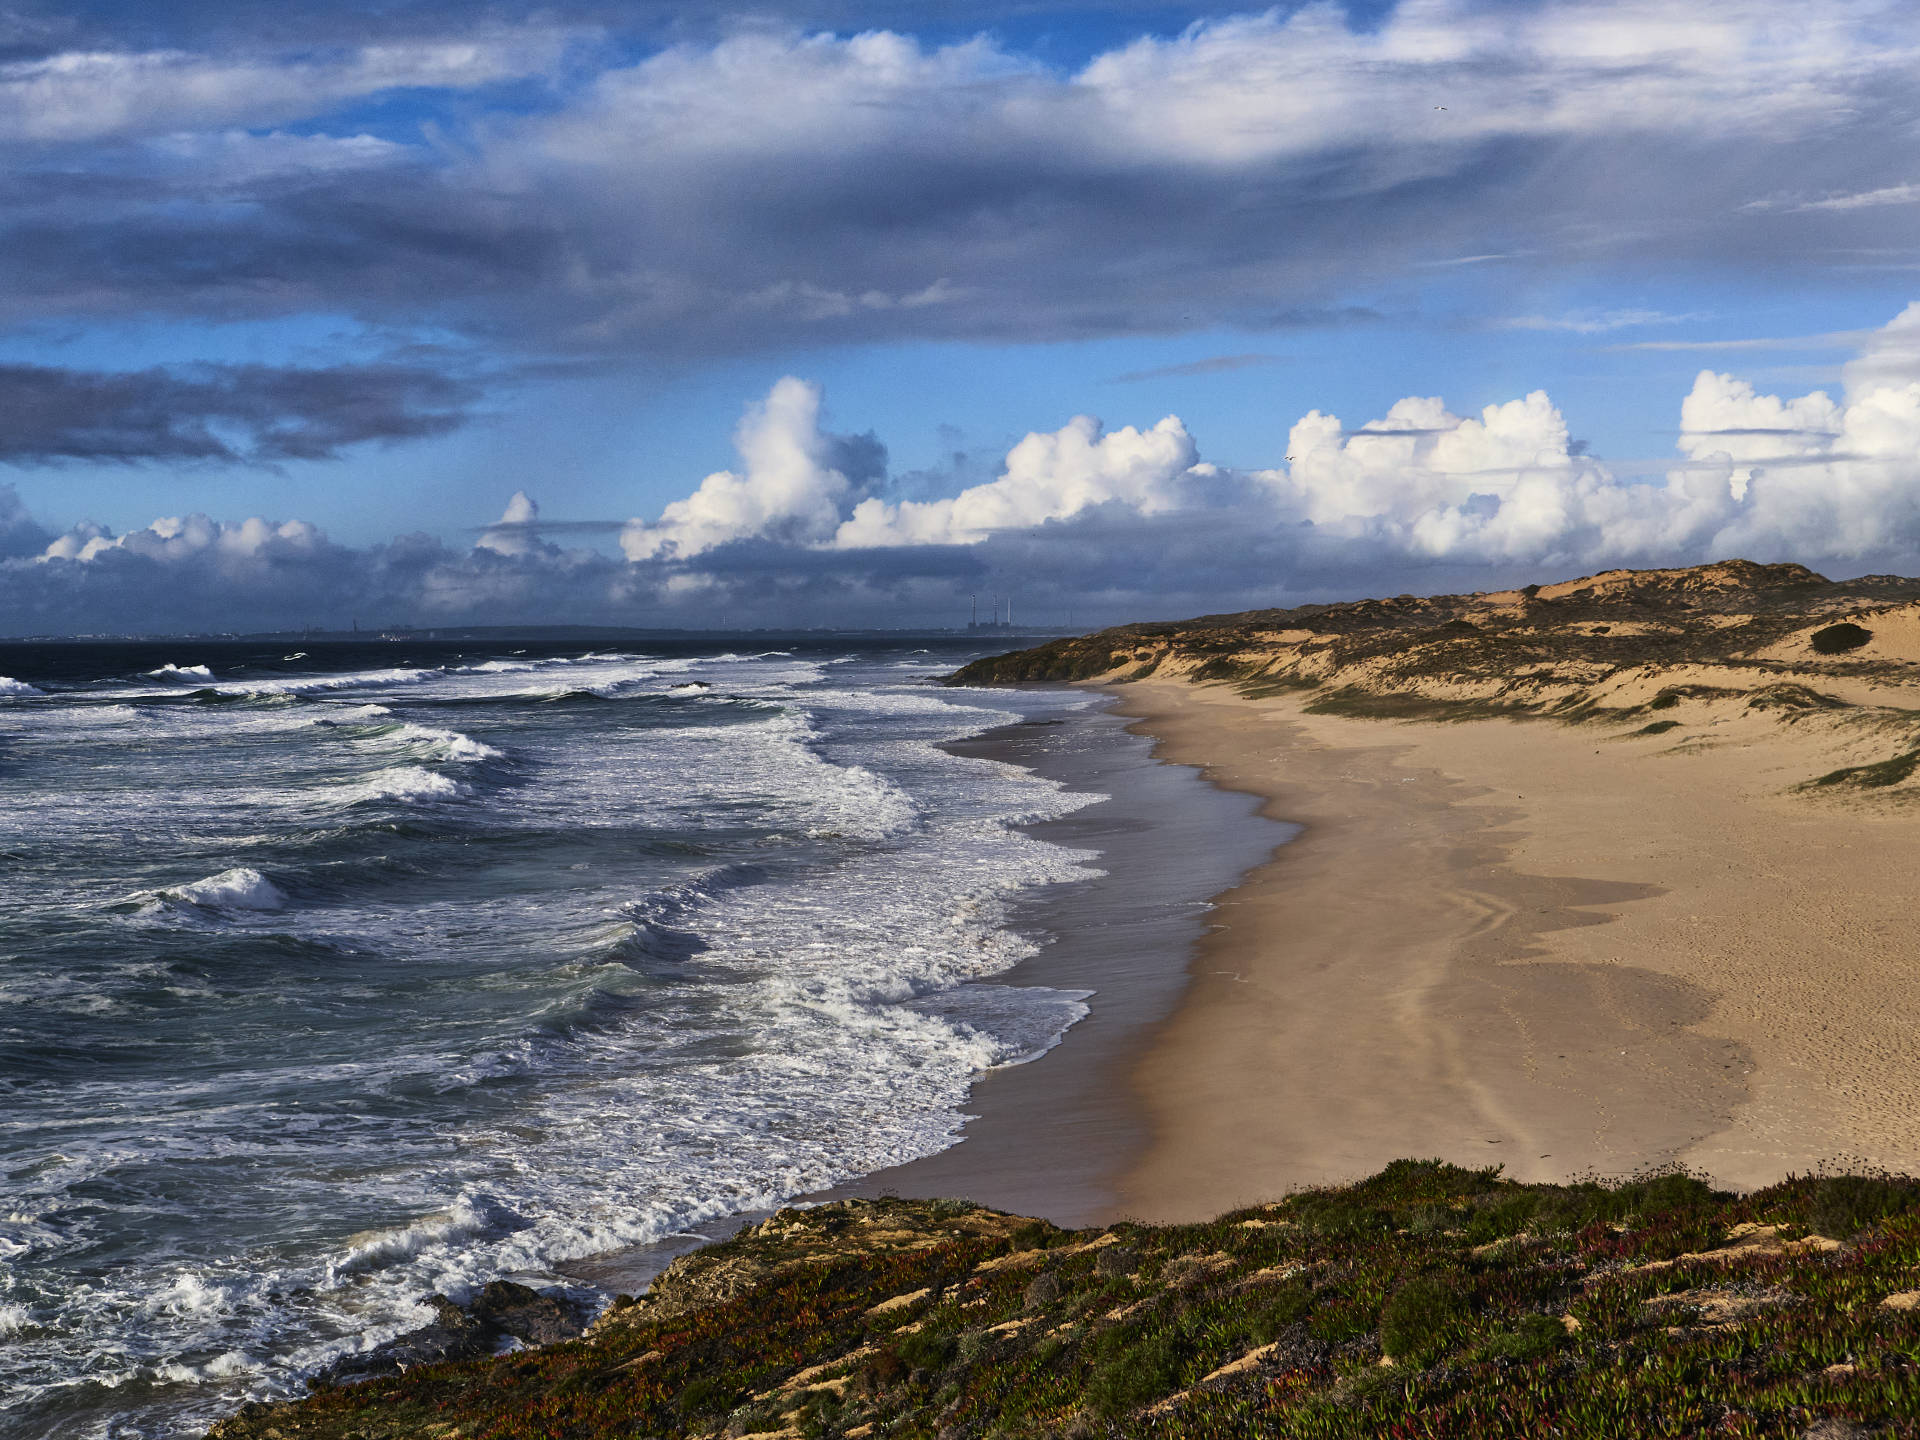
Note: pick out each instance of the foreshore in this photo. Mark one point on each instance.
(1560, 949)
(1054, 1137)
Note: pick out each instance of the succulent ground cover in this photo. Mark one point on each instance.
(1426, 1301)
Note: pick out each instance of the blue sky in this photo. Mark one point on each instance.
(800, 304)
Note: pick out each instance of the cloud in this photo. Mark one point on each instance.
(795, 483)
(1047, 477)
(517, 530)
(1593, 322)
(20, 533)
(767, 186)
(1112, 523)
(1213, 365)
(94, 95)
(1827, 340)
(219, 414)
(1905, 194)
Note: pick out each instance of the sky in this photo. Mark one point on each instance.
(855, 313)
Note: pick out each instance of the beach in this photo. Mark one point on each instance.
(1557, 949)
(1056, 1136)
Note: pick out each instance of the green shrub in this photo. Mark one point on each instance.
(1424, 1319)
(1134, 1371)
(1265, 1313)
(1500, 1217)
(706, 1396)
(1043, 1291)
(1658, 727)
(1534, 1337)
(1665, 700)
(1838, 639)
(1657, 1194)
(1116, 1260)
(1875, 776)
(1844, 1205)
(1339, 1215)
(1340, 1320)
(927, 1349)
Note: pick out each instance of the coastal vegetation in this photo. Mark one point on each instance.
(1426, 1301)
(1712, 646)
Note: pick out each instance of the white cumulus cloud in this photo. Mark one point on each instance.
(1047, 477)
(789, 487)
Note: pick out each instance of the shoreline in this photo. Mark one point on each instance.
(1052, 1136)
(1495, 941)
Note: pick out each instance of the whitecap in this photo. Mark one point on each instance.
(181, 672)
(10, 686)
(403, 782)
(242, 888)
(467, 1217)
(449, 744)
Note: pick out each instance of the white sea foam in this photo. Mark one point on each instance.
(14, 1318)
(448, 744)
(467, 1217)
(242, 888)
(841, 1036)
(189, 1294)
(181, 672)
(10, 686)
(408, 783)
(321, 684)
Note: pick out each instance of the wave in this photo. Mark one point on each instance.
(449, 744)
(181, 672)
(468, 1218)
(409, 784)
(242, 888)
(10, 686)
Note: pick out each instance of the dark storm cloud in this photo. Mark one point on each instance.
(755, 186)
(218, 414)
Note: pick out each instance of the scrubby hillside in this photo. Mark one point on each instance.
(1427, 1301)
(1670, 653)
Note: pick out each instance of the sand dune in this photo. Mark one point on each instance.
(1621, 872)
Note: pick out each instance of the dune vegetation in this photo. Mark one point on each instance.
(1429, 1300)
(1730, 648)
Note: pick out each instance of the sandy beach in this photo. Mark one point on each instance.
(1555, 948)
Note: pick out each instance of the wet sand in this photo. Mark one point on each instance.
(1555, 949)
(1054, 1136)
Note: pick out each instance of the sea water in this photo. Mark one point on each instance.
(335, 975)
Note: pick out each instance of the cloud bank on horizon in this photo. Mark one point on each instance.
(1085, 517)
(426, 209)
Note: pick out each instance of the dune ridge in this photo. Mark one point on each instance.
(1600, 873)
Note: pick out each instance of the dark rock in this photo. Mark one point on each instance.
(501, 1310)
(526, 1314)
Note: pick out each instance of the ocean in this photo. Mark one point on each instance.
(336, 974)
